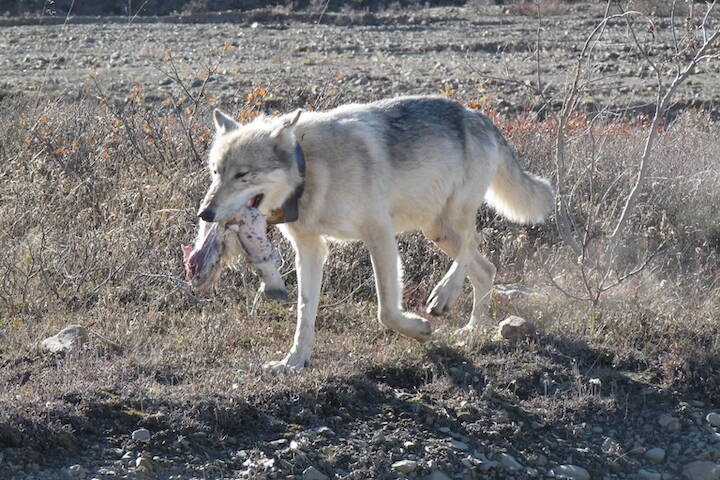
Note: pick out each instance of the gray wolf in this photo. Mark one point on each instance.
(372, 170)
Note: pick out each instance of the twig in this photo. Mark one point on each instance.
(672, 27)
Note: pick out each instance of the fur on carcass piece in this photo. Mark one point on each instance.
(218, 244)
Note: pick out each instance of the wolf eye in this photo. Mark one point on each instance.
(240, 174)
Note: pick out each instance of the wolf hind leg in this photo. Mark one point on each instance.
(459, 240)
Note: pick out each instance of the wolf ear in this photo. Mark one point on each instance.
(223, 122)
(288, 122)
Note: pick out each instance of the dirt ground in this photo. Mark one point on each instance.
(583, 400)
(482, 52)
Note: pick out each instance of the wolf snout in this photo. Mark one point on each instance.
(207, 214)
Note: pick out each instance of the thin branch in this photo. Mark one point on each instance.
(537, 47)
(563, 291)
(704, 21)
(672, 27)
(562, 217)
(635, 271)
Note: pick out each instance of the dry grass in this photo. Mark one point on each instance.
(97, 197)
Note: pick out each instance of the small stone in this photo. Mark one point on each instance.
(438, 475)
(669, 423)
(69, 339)
(649, 475)
(141, 435)
(405, 466)
(655, 455)
(713, 419)
(516, 328)
(325, 431)
(312, 473)
(570, 472)
(509, 462)
(489, 465)
(279, 443)
(701, 470)
(610, 445)
(459, 445)
(77, 471)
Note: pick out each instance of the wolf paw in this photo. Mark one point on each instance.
(410, 325)
(275, 294)
(443, 297)
(423, 332)
(286, 365)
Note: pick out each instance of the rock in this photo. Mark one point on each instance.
(312, 473)
(77, 471)
(279, 443)
(438, 475)
(648, 475)
(459, 445)
(405, 466)
(655, 455)
(509, 462)
(69, 339)
(669, 423)
(610, 445)
(701, 470)
(141, 435)
(516, 328)
(713, 419)
(570, 472)
(513, 289)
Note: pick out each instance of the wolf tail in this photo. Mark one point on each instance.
(517, 195)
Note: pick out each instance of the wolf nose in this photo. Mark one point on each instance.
(208, 215)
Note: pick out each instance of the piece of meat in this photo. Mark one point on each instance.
(218, 244)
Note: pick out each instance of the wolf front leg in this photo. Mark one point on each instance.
(381, 242)
(310, 254)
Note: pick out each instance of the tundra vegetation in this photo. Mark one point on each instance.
(99, 188)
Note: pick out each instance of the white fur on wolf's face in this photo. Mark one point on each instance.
(246, 161)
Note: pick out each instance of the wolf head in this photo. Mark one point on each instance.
(250, 165)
